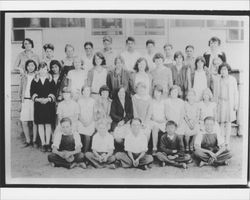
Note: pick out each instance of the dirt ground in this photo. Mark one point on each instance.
(32, 163)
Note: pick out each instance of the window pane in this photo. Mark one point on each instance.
(18, 35)
(149, 27)
(242, 34)
(215, 23)
(76, 22)
(111, 26)
(233, 23)
(221, 23)
(187, 23)
(59, 22)
(233, 34)
(21, 22)
(30, 22)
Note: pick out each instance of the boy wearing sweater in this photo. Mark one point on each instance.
(172, 148)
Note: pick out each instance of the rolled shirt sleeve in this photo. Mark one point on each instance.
(77, 138)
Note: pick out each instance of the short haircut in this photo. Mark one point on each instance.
(88, 44)
(170, 122)
(168, 45)
(135, 119)
(214, 39)
(42, 65)
(158, 88)
(150, 41)
(130, 39)
(29, 40)
(68, 46)
(189, 46)
(84, 87)
(28, 62)
(177, 54)
(119, 58)
(66, 119)
(224, 64)
(136, 68)
(55, 62)
(199, 58)
(209, 118)
(101, 56)
(157, 56)
(209, 92)
(175, 87)
(77, 57)
(104, 88)
(48, 46)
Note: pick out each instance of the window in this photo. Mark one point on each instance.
(111, 26)
(235, 35)
(149, 27)
(222, 24)
(234, 28)
(187, 23)
(22, 24)
(67, 22)
(30, 22)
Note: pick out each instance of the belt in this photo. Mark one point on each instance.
(27, 98)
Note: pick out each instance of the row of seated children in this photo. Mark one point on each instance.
(209, 147)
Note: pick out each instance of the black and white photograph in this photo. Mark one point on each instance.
(126, 98)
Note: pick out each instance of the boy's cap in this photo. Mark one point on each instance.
(107, 38)
(66, 90)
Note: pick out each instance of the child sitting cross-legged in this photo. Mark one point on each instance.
(136, 146)
(66, 148)
(210, 148)
(102, 147)
(172, 148)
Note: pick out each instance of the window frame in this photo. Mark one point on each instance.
(123, 29)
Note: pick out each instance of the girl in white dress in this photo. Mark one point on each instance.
(86, 118)
(141, 74)
(77, 78)
(27, 105)
(97, 76)
(200, 78)
(228, 98)
(142, 107)
(175, 107)
(191, 120)
(158, 117)
(208, 108)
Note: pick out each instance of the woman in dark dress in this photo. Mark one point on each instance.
(121, 112)
(43, 91)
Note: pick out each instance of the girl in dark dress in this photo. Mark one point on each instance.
(214, 52)
(56, 68)
(67, 63)
(42, 91)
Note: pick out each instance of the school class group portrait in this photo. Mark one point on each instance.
(128, 109)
